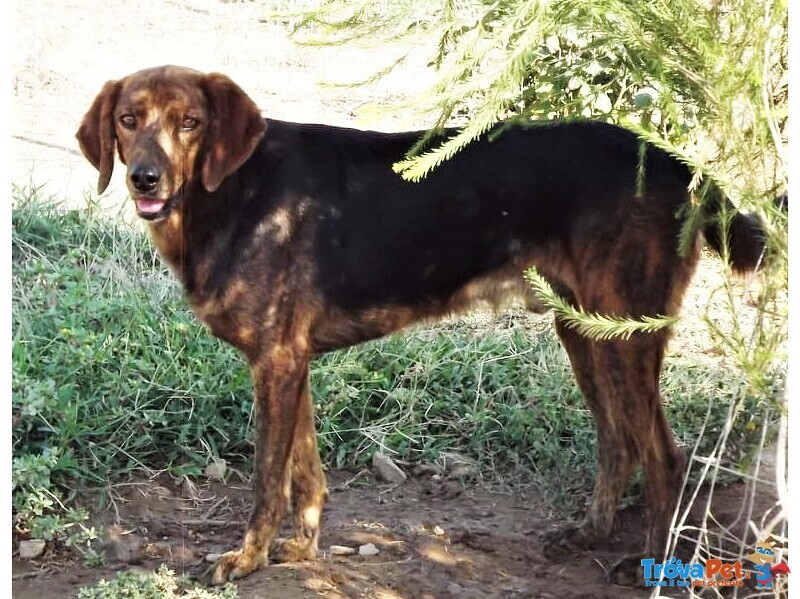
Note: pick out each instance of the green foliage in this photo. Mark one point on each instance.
(597, 327)
(162, 584)
(109, 373)
(108, 363)
(426, 392)
(509, 400)
(38, 510)
(678, 67)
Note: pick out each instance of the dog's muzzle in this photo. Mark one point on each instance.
(154, 209)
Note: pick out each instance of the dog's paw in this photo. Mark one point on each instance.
(293, 550)
(235, 564)
(627, 572)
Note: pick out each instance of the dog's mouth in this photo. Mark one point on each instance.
(155, 209)
(147, 207)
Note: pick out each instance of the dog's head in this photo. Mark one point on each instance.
(172, 127)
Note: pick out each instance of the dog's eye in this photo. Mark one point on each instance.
(128, 121)
(189, 123)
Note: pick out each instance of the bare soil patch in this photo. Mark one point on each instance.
(438, 538)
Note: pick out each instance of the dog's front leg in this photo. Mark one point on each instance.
(309, 490)
(278, 383)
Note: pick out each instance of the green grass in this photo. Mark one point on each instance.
(112, 374)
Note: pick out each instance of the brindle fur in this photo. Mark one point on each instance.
(293, 239)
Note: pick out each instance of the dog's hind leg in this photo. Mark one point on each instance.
(617, 455)
(636, 364)
(624, 398)
(620, 383)
(308, 488)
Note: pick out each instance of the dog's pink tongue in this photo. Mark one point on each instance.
(149, 206)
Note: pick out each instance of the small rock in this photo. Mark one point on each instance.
(368, 549)
(181, 555)
(341, 550)
(350, 589)
(319, 586)
(31, 548)
(455, 589)
(216, 470)
(443, 489)
(213, 558)
(457, 465)
(159, 550)
(438, 531)
(387, 469)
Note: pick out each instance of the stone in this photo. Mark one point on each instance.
(368, 549)
(216, 470)
(123, 546)
(31, 548)
(387, 469)
(341, 550)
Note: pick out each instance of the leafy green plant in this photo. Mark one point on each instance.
(161, 584)
(32, 488)
(39, 512)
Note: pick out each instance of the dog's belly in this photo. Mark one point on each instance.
(340, 328)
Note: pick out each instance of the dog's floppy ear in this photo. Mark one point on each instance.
(96, 134)
(235, 129)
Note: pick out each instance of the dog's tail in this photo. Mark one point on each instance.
(746, 236)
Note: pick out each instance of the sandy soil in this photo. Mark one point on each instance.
(489, 548)
(64, 51)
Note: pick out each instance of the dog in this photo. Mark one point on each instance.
(295, 239)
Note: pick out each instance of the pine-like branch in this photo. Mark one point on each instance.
(597, 327)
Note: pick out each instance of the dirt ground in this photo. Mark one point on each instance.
(438, 538)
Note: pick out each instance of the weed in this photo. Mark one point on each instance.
(161, 584)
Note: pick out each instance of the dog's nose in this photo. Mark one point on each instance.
(144, 177)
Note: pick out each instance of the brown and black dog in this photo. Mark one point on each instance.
(293, 239)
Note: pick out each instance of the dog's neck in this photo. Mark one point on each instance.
(170, 240)
(172, 235)
(188, 247)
